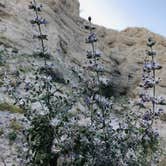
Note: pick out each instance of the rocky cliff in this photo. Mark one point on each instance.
(122, 52)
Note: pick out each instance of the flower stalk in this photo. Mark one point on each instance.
(39, 21)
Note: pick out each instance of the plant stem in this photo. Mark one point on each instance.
(40, 32)
(154, 87)
(98, 80)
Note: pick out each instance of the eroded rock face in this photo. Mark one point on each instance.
(123, 52)
(71, 7)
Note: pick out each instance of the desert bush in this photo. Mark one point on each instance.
(51, 105)
(132, 141)
(99, 142)
(56, 136)
(43, 102)
(12, 136)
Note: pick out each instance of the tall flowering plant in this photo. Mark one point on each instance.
(149, 100)
(39, 22)
(54, 134)
(94, 84)
(132, 141)
(44, 103)
(149, 84)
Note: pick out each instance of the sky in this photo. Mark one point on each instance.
(120, 14)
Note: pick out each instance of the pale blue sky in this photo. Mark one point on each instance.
(120, 14)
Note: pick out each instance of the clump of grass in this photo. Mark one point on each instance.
(12, 136)
(11, 108)
(15, 125)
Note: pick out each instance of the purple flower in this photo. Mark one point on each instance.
(160, 110)
(88, 101)
(91, 38)
(147, 116)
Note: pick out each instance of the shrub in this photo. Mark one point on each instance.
(40, 138)
(52, 104)
(12, 136)
(55, 134)
(101, 143)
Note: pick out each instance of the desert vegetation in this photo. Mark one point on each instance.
(59, 134)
